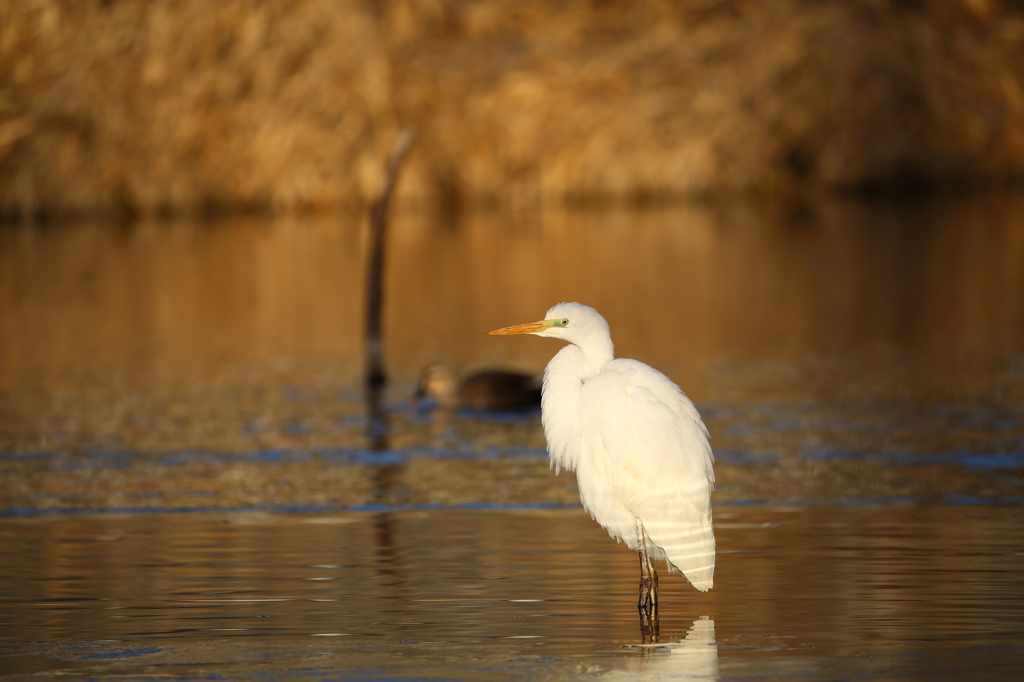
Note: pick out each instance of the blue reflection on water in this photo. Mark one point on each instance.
(285, 508)
(126, 653)
(964, 458)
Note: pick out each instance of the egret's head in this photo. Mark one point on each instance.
(572, 322)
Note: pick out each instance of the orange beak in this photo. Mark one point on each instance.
(528, 328)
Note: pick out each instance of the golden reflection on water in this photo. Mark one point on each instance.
(157, 304)
(834, 328)
(788, 578)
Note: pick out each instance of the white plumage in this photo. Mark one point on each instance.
(636, 442)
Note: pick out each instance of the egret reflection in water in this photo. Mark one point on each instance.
(694, 657)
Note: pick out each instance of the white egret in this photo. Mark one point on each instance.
(639, 448)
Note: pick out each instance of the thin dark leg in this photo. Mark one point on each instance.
(649, 626)
(648, 578)
(654, 583)
(648, 604)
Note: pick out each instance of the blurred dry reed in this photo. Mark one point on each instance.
(150, 106)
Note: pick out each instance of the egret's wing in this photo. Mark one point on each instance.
(651, 450)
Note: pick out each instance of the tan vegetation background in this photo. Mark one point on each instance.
(149, 106)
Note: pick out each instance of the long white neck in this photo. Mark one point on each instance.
(560, 413)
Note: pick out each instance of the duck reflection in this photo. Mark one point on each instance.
(489, 390)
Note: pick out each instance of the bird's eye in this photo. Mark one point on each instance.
(564, 322)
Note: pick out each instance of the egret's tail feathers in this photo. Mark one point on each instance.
(703, 578)
(692, 552)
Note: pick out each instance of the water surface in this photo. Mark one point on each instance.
(801, 592)
(189, 487)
